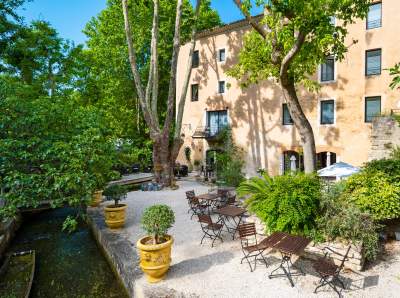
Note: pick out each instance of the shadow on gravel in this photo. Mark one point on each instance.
(200, 264)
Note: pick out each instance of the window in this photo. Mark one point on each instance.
(292, 161)
(325, 159)
(374, 17)
(216, 121)
(221, 87)
(373, 62)
(287, 119)
(328, 111)
(372, 108)
(221, 55)
(328, 70)
(195, 59)
(194, 92)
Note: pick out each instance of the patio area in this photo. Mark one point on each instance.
(205, 271)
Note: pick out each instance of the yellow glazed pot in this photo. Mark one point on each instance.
(97, 198)
(115, 216)
(155, 258)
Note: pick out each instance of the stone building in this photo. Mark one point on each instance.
(341, 113)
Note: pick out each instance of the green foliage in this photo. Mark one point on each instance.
(52, 150)
(389, 166)
(187, 153)
(288, 203)
(260, 59)
(395, 72)
(157, 220)
(229, 161)
(374, 192)
(341, 220)
(70, 224)
(115, 192)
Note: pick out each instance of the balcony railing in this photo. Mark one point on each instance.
(208, 132)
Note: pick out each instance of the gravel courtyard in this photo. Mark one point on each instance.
(201, 271)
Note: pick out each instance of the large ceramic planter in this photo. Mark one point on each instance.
(97, 198)
(115, 216)
(155, 258)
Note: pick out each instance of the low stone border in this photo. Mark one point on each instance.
(7, 232)
(120, 253)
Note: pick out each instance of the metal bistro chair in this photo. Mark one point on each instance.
(197, 208)
(329, 271)
(250, 246)
(211, 230)
(190, 194)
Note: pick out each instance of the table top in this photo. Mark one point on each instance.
(208, 196)
(226, 188)
(287, 243)
(231, 211)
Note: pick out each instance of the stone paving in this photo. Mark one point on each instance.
(201, 271)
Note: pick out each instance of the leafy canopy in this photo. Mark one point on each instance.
(262, 57)
(157, 220)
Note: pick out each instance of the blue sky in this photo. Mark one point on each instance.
(70, 16)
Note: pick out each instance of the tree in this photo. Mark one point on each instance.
(293, 38)
(166, 138)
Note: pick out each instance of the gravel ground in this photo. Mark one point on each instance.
(201, 271)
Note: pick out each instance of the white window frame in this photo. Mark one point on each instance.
(334, 111)
(226, 55)
(221, 80)
(335, 67)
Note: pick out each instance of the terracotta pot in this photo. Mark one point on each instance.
(115, 216)
(155, 259)
(97, 198)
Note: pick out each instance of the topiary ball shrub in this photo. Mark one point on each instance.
(156, 221)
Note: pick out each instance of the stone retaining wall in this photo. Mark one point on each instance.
(385, 136)
(120, 253)
(7, 232)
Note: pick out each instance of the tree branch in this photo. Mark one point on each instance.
(250, 20)
(154, 55)
(174, 62)
(185, 86)
(301, 36)
(136, 76)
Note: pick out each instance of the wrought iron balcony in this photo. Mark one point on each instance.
(208, 132)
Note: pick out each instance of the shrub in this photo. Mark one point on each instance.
(288, 203)
(229, 160)
(389, 166)
(156, 221)
(116, 193)
(341, 219)
(374, 192)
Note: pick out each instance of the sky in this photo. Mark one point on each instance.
(69, 17)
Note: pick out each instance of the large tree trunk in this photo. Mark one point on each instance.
(163, 168)
(301, 122)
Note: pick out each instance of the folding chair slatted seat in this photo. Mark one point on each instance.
(329, 271)
(211, 230)
(197, 208)
(247, 233)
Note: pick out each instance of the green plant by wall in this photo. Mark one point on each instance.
(374, 192)
(340, 219)
(288, 203)
(188, 153)
(156, 221)
(230, 161)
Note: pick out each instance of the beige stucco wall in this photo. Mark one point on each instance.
(255, 113)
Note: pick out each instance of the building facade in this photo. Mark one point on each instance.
(353, 92)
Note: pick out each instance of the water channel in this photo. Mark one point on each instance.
(67, 265)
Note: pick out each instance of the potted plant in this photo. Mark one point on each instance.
(155, 248)
(115, 213)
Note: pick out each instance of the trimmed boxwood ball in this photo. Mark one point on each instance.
(157, 220)
(115, 193)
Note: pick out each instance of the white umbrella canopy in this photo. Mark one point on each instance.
(339, 170)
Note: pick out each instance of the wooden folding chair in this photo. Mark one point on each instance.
(250, 246)
(329, 271)
(210, 229)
